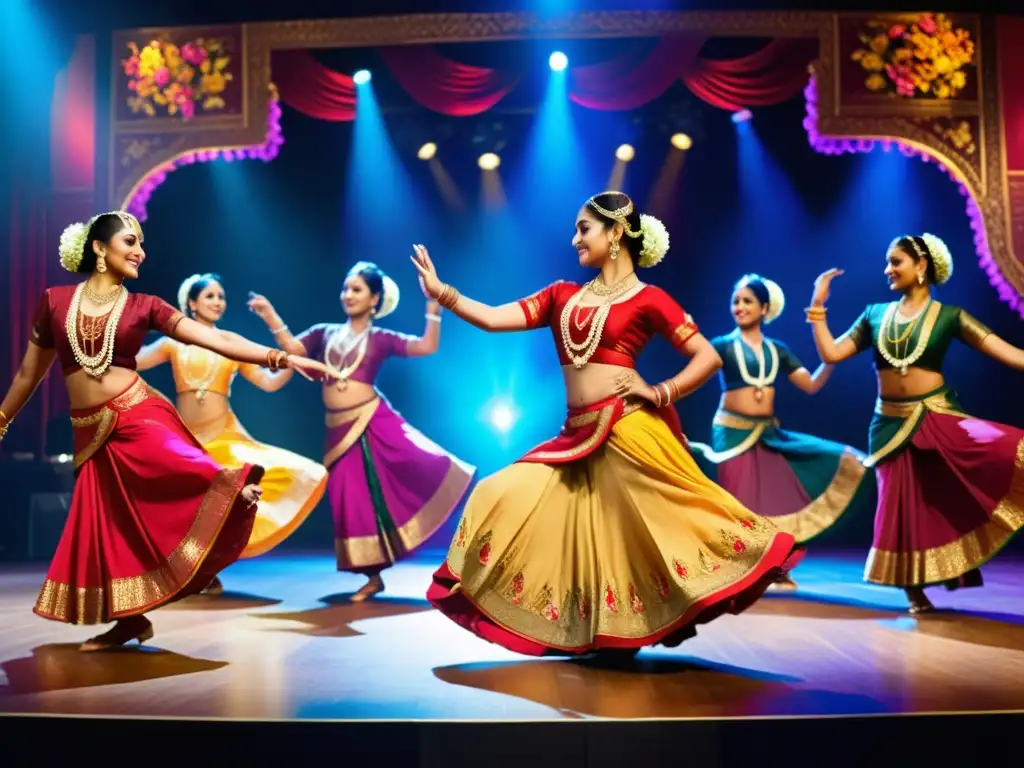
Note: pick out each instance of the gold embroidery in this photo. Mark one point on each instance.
(460, 541)
(485, 548)
(734, 545)
(973, 332)
(603, 418)
(681, 569)
(949, 561)
(636, 604)
(532, 309)
(611, 601)
(684, 332)
(515, 590)
(360, 418)
(822, 512)
(734, 421)
(912, 411)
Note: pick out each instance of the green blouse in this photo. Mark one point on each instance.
(921, 343)
(777, 357)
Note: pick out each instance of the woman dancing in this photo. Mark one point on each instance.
(390, 487)
(950, 486)
(802, 483)
(292, 485)
(153, 518)
(608, 536)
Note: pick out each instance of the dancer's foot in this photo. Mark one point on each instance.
(783, 583)
(374, 586)
(124, 631)
(214, 588)
(919, 602)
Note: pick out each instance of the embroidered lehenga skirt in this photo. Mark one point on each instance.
(152, 519)
(608, 536)
(390, 487)
(950, 491)
(292, 485)
(801, 483)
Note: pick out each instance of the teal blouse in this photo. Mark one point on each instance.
(729, 375)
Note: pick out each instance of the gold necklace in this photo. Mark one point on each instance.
(96, 364)
(580, 353)
(101, 299)
(890, 351)
(342, 372)
(199, 384)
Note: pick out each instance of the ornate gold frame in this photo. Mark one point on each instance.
(984, 177)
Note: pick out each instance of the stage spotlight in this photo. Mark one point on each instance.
(742, 116)
(488, 161)
(625, 152)
(681, 141)
(558, 61)
(361, 77)
(502, 417)
(427, 151)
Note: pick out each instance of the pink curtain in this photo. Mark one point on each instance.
(308, 86)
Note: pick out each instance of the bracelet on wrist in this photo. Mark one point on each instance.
(433, 318)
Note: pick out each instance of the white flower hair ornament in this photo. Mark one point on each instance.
(776, 300)
(72, 245)
(655, 241)
(942, 259)
(183, 292)
(389, 302)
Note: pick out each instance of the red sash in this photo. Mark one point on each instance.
(586, 429)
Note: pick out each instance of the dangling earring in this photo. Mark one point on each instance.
(101, 264)
(373, 311)
(614, 251)
(920, 278)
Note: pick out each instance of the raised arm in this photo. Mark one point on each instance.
(976, 334)
(152, 355)
(282, 335)
(34, 366)
(830, 349)
(506, 317)
(428, 343)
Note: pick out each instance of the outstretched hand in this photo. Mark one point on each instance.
(430, 283)
(821, 287)
(306, 367)
(261, 306)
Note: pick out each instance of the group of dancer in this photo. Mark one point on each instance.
(605, 539)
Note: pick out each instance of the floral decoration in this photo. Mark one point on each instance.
(925, 58)
(165, 78)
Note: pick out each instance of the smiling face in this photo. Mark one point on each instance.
(356, 297)
(210, 304)
(747, 309)
(593, 238)
(122, 254)
(902, 270)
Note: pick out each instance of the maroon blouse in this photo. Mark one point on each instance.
(382, 344)
(142, 313)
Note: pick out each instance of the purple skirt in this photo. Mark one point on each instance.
(390, 487)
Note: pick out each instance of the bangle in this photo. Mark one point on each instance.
(663, 387)
(274, 359)
(433, 318)
(448, 297)
(815, 314)
(276, 331)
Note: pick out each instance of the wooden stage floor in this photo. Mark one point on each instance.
(283, 643)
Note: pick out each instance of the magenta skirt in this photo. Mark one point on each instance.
(948, 501)
(390, 487)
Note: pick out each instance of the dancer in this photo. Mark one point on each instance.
(607, 537)
(292, 485)
(153, 518)
(390, 487)
(802, 483)
(950, 486)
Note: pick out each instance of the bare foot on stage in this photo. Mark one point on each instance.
(252, 493)
(214, 588)
(372, 587)
(124, 631)
(784, 583)
(919, 602)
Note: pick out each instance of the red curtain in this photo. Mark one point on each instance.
(443, 85)
(770, 75)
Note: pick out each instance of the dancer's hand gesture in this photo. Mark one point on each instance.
(430, 283)
(821, 286)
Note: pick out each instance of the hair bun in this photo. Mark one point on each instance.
(183, 291)
(776, 299)
(72, 245)
(655, 241)
(389, 301)
(942, 259)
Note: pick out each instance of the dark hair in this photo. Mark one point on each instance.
(103, 229)
(373, 276)
(917, 249)
(198, 287)
(756, 285)
(612, 201)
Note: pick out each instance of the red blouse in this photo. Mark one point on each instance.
(630, 324)
(142, 313)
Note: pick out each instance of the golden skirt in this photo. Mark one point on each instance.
(628, 547)
(292, 485)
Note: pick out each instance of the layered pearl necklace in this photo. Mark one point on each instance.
(580, 353)
(762, 379)
(97, 364)
(888, 344)
(199, 384)
(340, 347)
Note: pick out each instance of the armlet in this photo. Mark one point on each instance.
(172, 323)
(683, 333)
(973, 331)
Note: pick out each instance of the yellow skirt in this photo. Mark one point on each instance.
(292, 485)
(628, 547)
